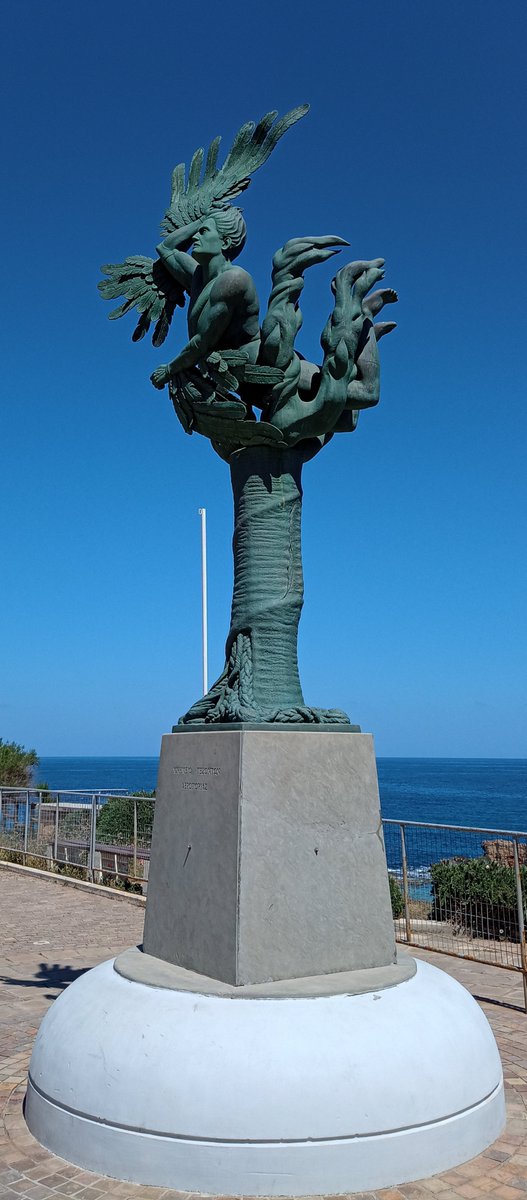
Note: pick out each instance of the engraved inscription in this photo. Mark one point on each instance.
(190, 784)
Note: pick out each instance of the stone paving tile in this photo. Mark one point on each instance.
(53, 932)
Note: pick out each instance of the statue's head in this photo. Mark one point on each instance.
(222, 232)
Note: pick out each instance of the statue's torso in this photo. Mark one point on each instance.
(234, 288)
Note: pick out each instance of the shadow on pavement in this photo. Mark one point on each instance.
(500, 1003)
(48, 975)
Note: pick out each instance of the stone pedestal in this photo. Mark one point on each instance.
(267, 857)
(268, 1041)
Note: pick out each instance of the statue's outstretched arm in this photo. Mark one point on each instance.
(180, 264)
(199, 346)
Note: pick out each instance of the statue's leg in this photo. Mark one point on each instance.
(364, 390)
(383, 327)
(377, 300)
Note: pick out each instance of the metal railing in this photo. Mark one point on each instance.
(455, 890)
(460, 891)
(101, 836)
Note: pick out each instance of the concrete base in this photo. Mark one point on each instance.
(210, 1089)
(267, 855)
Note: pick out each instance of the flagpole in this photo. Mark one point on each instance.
(203, 514)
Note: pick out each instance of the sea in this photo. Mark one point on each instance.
(478, 793)
(488, 793)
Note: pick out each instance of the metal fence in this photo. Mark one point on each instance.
(455, 890)
(460, 891)
(101, 836)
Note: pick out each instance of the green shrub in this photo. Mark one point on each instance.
(478, 896)
(115, 823)
(122, 883)
(46, 795)
(396, 897)
(11, 856)
(69, 870)
(16, 764)
(29, 859)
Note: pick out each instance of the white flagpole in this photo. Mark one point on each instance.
(203, 515)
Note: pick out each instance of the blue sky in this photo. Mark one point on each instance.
(414, 526)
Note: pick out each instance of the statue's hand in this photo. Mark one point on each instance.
(160, 376)
(182, 237)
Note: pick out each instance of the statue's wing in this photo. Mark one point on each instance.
(250, 149)
(147, 286)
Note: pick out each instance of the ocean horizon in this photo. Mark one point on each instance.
(490, 793)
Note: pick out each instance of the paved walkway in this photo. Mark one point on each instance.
(52, 932)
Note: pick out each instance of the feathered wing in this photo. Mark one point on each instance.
(144, 282)
(217, 186)
(149, 288)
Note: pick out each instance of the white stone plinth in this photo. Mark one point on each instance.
(232, 1093)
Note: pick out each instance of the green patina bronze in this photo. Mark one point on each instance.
(265, 408)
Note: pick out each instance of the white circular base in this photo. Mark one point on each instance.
(263, 1096)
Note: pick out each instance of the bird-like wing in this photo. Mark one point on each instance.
(251, 147)
(147, 286)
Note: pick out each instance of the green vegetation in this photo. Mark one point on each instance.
(16, 764)
(478, 896)
(121, 883)
(115, 823)
(11, 852)
(396, 897)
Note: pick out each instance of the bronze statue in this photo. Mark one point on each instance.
(231, 367)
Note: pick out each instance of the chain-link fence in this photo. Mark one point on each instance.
(460, 891)
(98, 836)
